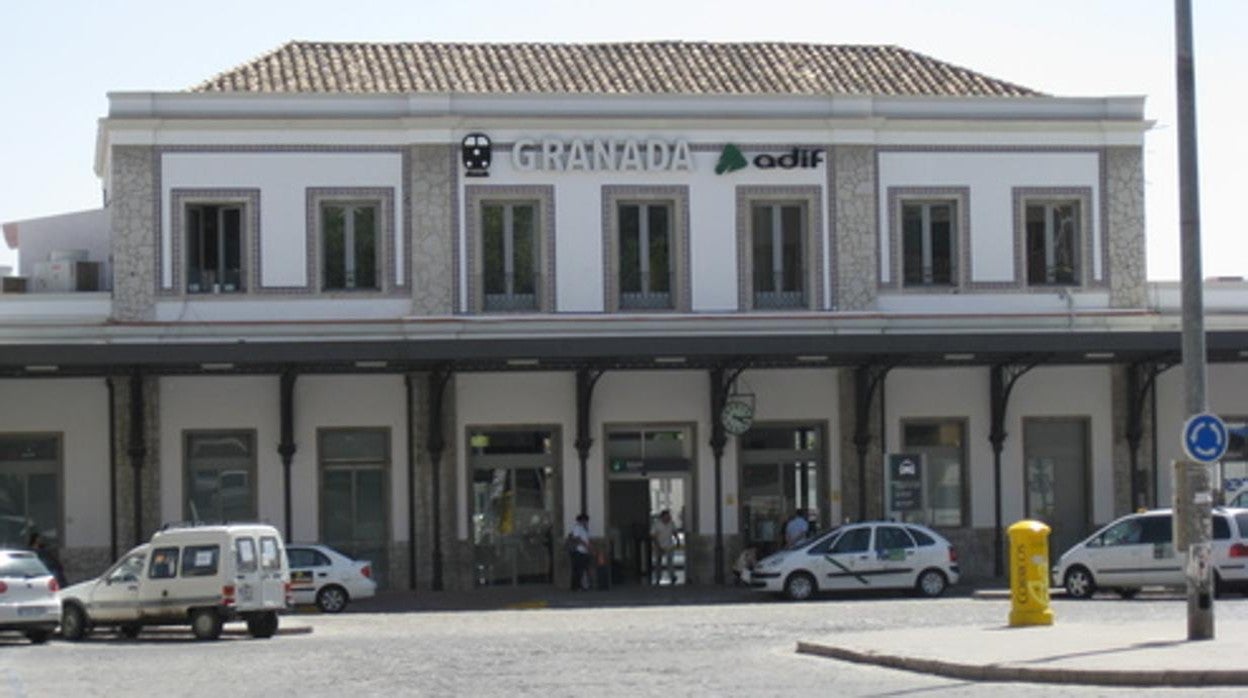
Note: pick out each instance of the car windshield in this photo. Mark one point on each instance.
(22, 567)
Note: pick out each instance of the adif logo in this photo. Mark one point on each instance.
(730, 160)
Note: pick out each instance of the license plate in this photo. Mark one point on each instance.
(31, 611)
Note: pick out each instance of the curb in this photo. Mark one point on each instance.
(1021, 674)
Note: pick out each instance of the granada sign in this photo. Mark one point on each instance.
(601, 155)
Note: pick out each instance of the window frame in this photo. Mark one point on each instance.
(382, 199)
(249, 235)
(810, 199)
(898, 199)
(1082, 249)
(54, 467)
(676, 198)
(252, 468)
(325, 463)
(542, 198)
(350, 262)
(964, 470)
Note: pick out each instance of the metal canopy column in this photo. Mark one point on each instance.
(867, 380)
(1141, 383)
(586, 379)
(137, 448)
(1002, 378)
(436, 385)
(722, 380)
(286, 447)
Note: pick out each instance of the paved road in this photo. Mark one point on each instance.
(743, 649)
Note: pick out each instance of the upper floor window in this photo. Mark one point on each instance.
(929, 243)
(779, 255)
(509, 256)
(1053, 239)
(349, 239)
(645, 255)
(214, 248)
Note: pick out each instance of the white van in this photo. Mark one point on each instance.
(200, 575)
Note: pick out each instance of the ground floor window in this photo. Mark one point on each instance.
(514, 494)
(354, 474)
(649, 471)
(30, 489)
(220, 475)
(780, 472)
(941, 444)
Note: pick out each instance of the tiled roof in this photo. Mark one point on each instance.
(640, 68)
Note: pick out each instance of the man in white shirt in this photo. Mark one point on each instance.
(796, 529)
(580, 549)
(663, 537)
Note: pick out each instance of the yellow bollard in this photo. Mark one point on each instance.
(1029, 574)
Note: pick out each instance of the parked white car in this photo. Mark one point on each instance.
(323, 576)
(1137, 550)
(198, 575)
(870, 555)
(28, 601)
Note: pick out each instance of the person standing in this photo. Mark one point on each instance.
(663, 538)
(796, 529)
(581, 551)
(48, 557)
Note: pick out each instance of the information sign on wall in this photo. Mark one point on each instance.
(905, 481)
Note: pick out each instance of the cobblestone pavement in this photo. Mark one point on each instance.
(744, 648)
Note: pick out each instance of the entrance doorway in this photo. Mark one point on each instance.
(354, 485)
(649, 471)
(780, 473)
(1056, 454)
(513, 505)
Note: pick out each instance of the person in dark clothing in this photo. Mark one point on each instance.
(48, 557)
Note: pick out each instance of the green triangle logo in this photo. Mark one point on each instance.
(730, 160)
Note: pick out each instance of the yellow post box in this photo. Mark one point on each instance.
(1029, 574)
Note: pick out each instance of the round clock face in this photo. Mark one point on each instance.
(737, 417)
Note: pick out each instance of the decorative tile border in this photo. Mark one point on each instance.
(254, 284)
(896, 197)
(678, 197)
(810, 198)
(249, 250)
(543, 196)
(1020, 197)
(383, 198)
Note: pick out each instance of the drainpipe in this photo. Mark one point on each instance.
(138, 449)
(586, 379)
(719, 395)
(286, 448)
(435, 445)
(112, 469)
(411, 483)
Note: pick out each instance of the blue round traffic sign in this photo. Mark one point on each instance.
(1204, 437)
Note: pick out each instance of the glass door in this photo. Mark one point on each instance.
(513, 506)
(354, 511)
(780, 469)
(649, 472)
(1056, 454)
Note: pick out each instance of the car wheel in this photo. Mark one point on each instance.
(1079, 583)
(931, 583)
(1128, 592)
(130, 630)
(332, 599)
(73, 623)
(206, 624)
(262, 625)
(38, 637)
(799, 586)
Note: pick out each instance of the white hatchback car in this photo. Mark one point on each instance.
(1137, 550)
(871, 555)
(28, 600)
(323, 576)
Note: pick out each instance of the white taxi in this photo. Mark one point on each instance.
(1137, 550)
(870, 555)
(323, 576)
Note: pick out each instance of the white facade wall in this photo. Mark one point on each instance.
(78, 410)
(347, 401)
(579, 217)
(283, 179)
(963, 393)
(991, 177)
(199, 403)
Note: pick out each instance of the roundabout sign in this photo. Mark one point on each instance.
(1205, 438)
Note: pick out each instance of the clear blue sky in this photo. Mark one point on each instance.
(58, 61)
